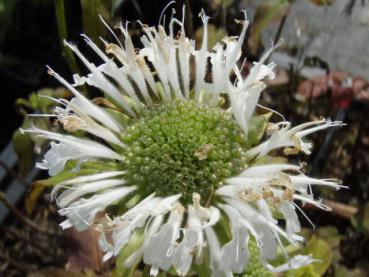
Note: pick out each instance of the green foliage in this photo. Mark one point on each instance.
(215, 35)
(115, 4)
(63, 35)
(23, 146)
(6, 11)
(321, 251)
(257, 127)
(266, 12)
(92, 25)
(203, 268)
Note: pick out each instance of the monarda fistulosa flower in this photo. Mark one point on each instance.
(175, 157)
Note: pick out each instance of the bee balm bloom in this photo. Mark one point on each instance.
(174, 159)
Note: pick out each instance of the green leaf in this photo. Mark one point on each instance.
(32, 195)
(320, 250)
(203, 269)
(63, 34)
(23, 146)
(266, 12)
(91, 10)
(214, 35)
(121, 270)
(120, 117)
(257, 127)
(115, 5)
(6, 11)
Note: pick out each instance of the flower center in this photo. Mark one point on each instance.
(183, 147)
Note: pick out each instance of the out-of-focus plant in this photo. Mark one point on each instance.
(267, 12)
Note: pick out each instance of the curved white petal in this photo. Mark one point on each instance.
(82, 212)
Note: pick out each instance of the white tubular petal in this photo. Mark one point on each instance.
(94, 47)
(214, 217)
(286, 137)
(260, 71)
(302, 180)
(106, 247)
(245, 96)
(70, 147)
(201, 57)
(243, 104)
(85, 146)
(260, 222)
(86, 105)
(112, 70)
(228, 191)
(103, 133)
(148, 74)
(218, 77)
(234, 254)
(238, 109)
(66, 224)
(233, 54)
(268, 249)
(121, 77)
(243, 181)
(312, 201)
(137, 216)
(265, 211)
(125, 228)
(71, 194)
(160, 49)
(290, 215)
(165, 204)
(253, 99)
(55, 158)
(184, 52)
(134, 218)
(88, 124)
(268, 170)
(159, 250)
(133, 67)
(97, 79)
(326, 124)
(214, 249)
(149, 232)
(191, 242)
(81, 213)
(172, 67)
(85, 179)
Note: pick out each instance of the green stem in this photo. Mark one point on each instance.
(63, 34)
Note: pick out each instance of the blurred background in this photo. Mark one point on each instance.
(323, 70)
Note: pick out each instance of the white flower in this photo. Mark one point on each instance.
(69, 148)
(174, 162)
